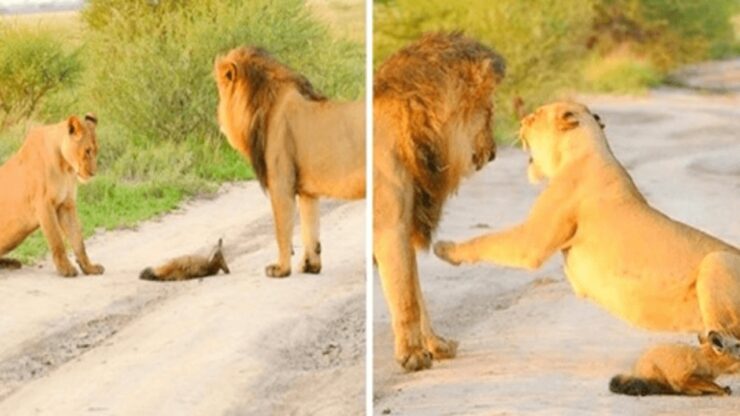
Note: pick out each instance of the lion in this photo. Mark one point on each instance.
(634, 261)
(432, 116)
(297, 141)
(39, 186)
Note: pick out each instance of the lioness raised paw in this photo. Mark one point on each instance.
(274, 270)
(443, 250)
(415, 360)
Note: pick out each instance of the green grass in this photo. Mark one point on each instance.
(620, 74)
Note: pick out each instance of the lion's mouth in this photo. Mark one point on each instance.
(83, 177)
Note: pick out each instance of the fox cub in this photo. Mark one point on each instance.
(682, 369)
(188, 267)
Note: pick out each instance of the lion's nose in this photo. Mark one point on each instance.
(492, 155)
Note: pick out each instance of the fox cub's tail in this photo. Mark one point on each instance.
(634, 386)
(148, 274)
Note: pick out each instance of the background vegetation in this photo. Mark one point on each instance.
(145, 69)
(555, 47)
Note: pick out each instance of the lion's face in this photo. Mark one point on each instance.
(80, 146)
(543, 134)
(484, 146)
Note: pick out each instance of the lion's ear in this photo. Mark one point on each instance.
(226, 70)
(90, 117)
(74, 126)
(566, 120)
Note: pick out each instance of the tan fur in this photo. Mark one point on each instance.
(39, 189)
(432, 127)
(189, 267)
(298, 142)
(682, 369)
(642, 266)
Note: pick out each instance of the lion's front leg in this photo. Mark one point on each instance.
(283, 210)
(308, 209)
(415, 342)
(51, 229)
(70, 223)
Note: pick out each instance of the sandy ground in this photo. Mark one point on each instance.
(528, 345)
(237, 344)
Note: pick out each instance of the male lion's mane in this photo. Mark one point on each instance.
(423, 79)
(266, 79)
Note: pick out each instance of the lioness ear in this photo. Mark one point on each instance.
(226, 70)
(566, 121)
(91, 118)
(598, 120)
(74, 126)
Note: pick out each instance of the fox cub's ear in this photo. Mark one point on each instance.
(717, 341)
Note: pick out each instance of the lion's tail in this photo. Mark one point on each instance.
(635, 386)
(148, 274)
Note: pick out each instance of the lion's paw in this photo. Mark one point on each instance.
(442, 348)
(443, 249)
(274, 270)
(311, 268)
(417, 359)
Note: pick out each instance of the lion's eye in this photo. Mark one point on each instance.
(88, 152)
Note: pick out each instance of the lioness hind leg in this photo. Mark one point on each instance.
(718, 292)
(11, 264)
(308, 209)
(398, 274)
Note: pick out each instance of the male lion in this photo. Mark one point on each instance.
(39, 188)
(298, 142)
(432, 120)
(628, 257)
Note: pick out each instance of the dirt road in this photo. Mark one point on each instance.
(237, 344)
(528, 345)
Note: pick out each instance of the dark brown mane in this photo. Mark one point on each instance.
(420, 79)
(265, 79)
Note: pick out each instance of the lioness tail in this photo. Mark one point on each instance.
(634, 386)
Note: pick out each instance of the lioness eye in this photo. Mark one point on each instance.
(88, 152)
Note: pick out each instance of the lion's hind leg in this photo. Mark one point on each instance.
(11, 264)
(718, 292)
(308, 209)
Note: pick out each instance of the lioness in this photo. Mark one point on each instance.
(432, 127)
(634, 261)
(298, 142)
(39, 188)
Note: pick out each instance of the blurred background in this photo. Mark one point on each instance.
(145, 68)
(559, 48)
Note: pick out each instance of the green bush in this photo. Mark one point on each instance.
(541, 40)
(155, 59)
(33, 65)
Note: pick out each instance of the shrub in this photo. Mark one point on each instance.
(33, 65)
(155, 59)
(542, 41)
